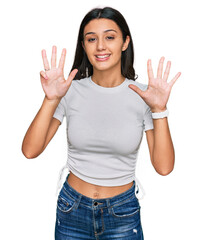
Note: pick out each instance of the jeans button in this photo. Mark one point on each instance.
(95, 203)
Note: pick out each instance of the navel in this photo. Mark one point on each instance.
(96, 195)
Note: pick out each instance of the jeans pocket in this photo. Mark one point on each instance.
(65, 202)
(126, 208)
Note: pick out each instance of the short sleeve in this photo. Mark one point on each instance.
(60, 111)
(148, 121)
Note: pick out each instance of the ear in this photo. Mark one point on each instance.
(125, 44)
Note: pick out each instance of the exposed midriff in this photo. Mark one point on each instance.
(95, 191)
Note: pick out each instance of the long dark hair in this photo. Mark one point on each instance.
(81, 62)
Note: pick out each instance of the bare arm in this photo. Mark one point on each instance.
(41, 130)
(161, 147)
(44, 126)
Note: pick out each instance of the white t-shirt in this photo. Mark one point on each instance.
(104, 130)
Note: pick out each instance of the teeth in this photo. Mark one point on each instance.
(102, 56)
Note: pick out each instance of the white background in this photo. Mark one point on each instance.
(171, 208)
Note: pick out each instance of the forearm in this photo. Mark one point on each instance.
(163, 150)
(35, 136)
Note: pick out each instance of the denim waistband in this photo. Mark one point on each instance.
(104, 202)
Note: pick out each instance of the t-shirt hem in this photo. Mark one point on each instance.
(102, 182)
(149, 128)
(58, 117)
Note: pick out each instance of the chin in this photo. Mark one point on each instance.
(102, 68)
(105, 67)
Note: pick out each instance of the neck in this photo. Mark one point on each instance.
(107, 78)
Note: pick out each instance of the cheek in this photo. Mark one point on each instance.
(89, 52)
(115, 48)
(89, 56)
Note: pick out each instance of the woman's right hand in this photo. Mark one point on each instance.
(52, 79)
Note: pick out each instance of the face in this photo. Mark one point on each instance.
(103, 44)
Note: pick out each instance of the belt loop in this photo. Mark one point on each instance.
(78, 201)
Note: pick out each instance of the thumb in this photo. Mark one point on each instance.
(43, 74)
(71, 76)
(137, 90)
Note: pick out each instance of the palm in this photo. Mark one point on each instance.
(158, 91)
(53, 82)
(54, 86)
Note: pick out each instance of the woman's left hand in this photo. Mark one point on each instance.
(158, 91)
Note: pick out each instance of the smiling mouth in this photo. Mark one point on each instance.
(102, 57)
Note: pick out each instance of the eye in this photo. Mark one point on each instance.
(110, 38)
(91, 39)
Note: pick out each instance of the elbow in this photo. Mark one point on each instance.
(28, 154)
(164, 172)
(164, 168)
(30, 150)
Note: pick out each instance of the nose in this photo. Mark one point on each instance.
(101, 44)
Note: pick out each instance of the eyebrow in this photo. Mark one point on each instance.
(108, 30)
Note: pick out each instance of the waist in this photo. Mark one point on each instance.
(95, 191)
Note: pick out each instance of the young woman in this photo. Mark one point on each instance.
(106, 113)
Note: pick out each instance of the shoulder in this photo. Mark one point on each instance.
(135, 96)
(76, 85)
(80, 82)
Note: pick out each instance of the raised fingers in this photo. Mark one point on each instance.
(62, 59)
(160, 68)
(149, 69)
(45, 60)
(53, 57)
(171, 83)
(72, 75)
(167, 71)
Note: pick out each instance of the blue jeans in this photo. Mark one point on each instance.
(81, 217)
